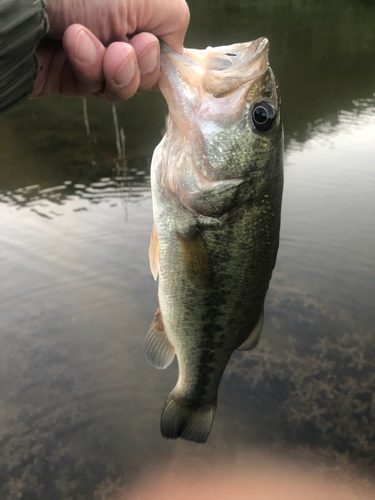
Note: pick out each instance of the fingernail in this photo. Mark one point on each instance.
(126, 73)
(148, 61)
(85, 48)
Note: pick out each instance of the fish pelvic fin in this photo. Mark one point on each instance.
(181, 420)
(253, 339)
(154, 253)
(196, 260)
(158, 350)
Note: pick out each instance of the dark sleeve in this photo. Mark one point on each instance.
(22, 25)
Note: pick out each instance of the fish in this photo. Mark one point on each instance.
(216, 182)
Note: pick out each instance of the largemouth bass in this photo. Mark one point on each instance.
(217, 180)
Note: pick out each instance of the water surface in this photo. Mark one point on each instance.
(79, 404)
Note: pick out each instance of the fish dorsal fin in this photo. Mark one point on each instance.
(154, 253)
(196, 260)
(254, 336)
(158, 350)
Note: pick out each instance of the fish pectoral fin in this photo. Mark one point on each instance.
(154, 253)
(158, 350)
(254, 336)
(179, 420)
(196, 260)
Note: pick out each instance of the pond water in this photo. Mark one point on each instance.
(79, 404)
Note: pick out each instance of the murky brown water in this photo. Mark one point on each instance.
(79, 404)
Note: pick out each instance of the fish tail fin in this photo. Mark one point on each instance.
(179, 419)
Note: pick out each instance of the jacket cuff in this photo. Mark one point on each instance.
(22, 25)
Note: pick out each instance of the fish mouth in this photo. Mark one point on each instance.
(219, 70)
(198, 80)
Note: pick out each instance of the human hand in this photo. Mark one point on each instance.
(84, 52)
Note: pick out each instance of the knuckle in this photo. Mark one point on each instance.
(184, 14)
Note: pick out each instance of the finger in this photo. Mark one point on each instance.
(85, 54)
(147, 51)
(166, 19)
(121, 72)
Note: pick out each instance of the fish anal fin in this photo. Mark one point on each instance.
(196, 260)
(179, 420)
(154, 252)
(254, 336)
(158, 350)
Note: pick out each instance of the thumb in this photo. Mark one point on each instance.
(166, 19)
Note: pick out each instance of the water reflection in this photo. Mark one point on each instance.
(320, 51)
(55, 201)
(331, 179)
(79, 405)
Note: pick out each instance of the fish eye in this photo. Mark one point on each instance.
(264, 116)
